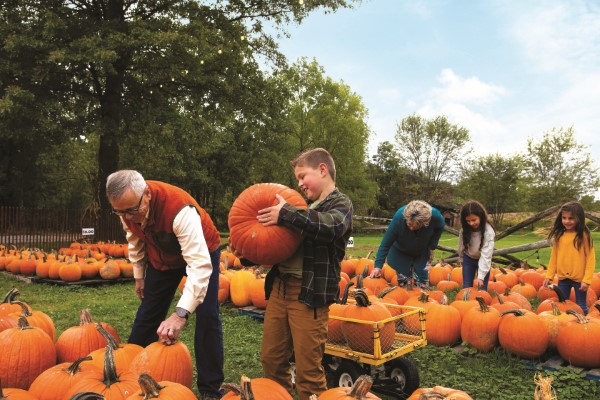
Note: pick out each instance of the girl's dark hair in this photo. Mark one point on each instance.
(581, 230)
(473, 207)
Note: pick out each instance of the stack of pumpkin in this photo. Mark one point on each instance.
(503, 315)
(72, 264)
(90, 356)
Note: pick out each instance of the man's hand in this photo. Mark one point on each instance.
(269, 216)
(584, 287)
(169, 329)
(478, 284)
(139, 288)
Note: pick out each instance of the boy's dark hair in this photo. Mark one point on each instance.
(313, 158)
(581, 229)
(473, 207)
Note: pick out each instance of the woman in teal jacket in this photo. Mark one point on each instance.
(409, 242)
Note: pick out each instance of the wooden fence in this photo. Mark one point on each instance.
(54, 228)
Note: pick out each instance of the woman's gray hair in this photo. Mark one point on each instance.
(418, 212)
(119, 182)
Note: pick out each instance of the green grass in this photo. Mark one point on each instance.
(496, 375)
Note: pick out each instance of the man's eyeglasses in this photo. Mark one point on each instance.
(130, 211)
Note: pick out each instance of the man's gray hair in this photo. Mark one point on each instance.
(418, 212)
(119, 182)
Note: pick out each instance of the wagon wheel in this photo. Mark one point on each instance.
(346, 374)
(404, 373)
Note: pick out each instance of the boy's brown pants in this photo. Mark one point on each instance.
(293, 327)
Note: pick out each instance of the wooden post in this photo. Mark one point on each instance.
(514, 249)
(528, 221)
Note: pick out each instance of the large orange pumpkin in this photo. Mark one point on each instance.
(442, 324)
(30, 351)
(122, 354)
(79, 341)
(257, 388)
(9, 305)
(578, 342)
(165, 363)
(479, 326)
(53, 383)
(263, 244)
(360, 336)
(239, 287)
(523, 333)
(106, 381)
(15, 394)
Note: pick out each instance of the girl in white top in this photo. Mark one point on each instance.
(475, 244)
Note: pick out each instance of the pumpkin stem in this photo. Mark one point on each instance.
(385, 291)
(74, 367)
(23, 323)
(359, 281)
(423, 297)
(581, 319)
(24, 308)
(499, 297)
(431, 396)
(344, 299)
(362, 300)
(246, 393)
(518, 313)
(85, 317)
(11, 295)
(444, 300)
(232, 387)
(467, 295)
(365, 272)
(597, 306)
(361, 387)
(110, 339)
(313, 397)
(150, 388)
(559, 293)
(110, 369)
(482, 305)
(555, 309)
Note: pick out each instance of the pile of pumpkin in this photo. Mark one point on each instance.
(79, 261)
(503, 315)
(243, 286)
(89, 361)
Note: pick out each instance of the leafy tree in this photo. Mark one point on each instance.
(494, 181)
(559, 169)
(323, 113)
(431, 149)
(101, 68)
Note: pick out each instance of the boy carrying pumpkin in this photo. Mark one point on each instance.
(301, 288)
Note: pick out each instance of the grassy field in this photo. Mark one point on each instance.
(485, 376)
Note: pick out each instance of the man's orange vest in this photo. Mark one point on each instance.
(161, 245)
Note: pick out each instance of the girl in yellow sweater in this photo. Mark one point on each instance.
(573, 257)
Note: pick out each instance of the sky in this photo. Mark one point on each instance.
(507, 70)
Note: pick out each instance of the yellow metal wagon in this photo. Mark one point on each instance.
(376, 348)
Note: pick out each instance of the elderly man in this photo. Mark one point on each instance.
(170, 236)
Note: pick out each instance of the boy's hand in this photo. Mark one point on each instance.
(269, 216)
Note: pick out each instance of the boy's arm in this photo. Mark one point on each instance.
(323, 226)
